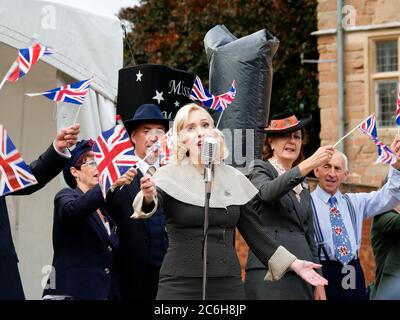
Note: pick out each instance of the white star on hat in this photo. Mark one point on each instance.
(158, 96)
(139, 76)
(176, 104)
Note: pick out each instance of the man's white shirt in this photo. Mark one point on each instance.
(366, 205)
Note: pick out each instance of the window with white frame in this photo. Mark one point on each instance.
(385, 78)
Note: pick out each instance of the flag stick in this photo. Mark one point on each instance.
(153, 147)
(220, 118)
(77, 114)
(348, 133)
(150, 152)
(31, 42)
(8, 74)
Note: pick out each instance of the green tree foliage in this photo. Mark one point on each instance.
(171, 32)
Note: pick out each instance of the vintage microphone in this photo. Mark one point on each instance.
(208, 155)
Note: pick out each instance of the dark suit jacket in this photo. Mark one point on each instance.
(83, 250)
(45, 168)
(385, 240)
(285, 220)
(142, 242)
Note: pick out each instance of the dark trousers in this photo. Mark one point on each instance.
(140, 286)
(344, 283)
(152, 278)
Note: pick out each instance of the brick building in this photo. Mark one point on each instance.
(371, 45)
(371, 71)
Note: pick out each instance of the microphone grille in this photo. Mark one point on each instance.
(209, 149)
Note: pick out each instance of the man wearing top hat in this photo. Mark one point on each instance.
(143, 243)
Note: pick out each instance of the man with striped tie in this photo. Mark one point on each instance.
(338, 220)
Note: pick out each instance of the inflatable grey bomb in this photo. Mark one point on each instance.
(247, 60)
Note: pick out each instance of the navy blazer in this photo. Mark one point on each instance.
(83, 250)
(143, 242)
(45, 168)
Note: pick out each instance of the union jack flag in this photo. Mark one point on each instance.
(368, 127)
(114, 155)
(73, 93)
(398, 105)
(15, 174)
(219, 103)
(165, 146)
(27, 57)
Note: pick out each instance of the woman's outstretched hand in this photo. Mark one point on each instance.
(305, 270)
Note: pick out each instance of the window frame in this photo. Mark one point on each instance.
(375, 76)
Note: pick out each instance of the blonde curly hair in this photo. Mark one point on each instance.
(180, 150)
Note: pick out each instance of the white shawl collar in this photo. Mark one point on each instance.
(184, 183)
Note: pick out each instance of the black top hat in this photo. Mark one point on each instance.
(146, 113)
(285, 122)
(166, 87)
(81, 147)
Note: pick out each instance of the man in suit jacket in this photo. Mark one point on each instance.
(45, 168)
(385, 240)
(143, 243)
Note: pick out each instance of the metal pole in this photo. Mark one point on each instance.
(340, 69)
(205, 233)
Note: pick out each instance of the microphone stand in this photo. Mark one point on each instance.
(207, 180)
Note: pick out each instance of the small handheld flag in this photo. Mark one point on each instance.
(27, 57)
(15, 174)
(398, 105)
(368, 127)
(72, 93)
(219, 103)
(114, 155)
(165, 146)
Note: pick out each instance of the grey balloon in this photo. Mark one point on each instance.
(248, 60)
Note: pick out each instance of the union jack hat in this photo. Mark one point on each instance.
(285, 122)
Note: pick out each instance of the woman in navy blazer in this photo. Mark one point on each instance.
(84, 236)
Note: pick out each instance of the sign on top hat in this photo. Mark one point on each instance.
(163, 86)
